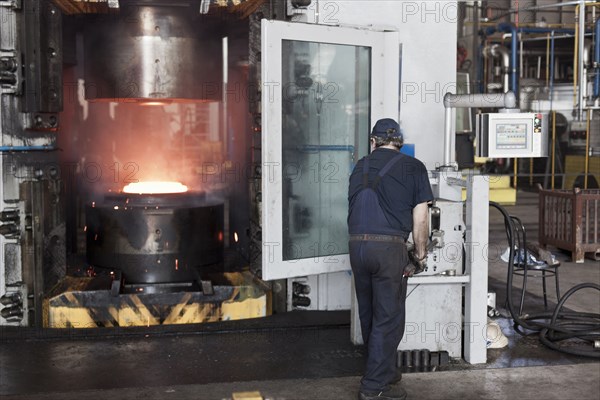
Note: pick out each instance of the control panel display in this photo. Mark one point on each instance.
(512, 135)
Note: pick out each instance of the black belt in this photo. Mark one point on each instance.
(378, 238)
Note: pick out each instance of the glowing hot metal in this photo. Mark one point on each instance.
(155, 187)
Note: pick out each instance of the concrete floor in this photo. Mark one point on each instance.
(580, 382)
(167, 368)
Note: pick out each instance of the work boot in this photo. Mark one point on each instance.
(397, 379)
(393, 393)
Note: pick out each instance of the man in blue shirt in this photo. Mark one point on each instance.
(388, 197)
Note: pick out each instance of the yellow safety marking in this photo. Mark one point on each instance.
(189, 315)
(65, 317)
(247, 396)
(66, 310)
(249, 308)
(68, 317)
(207, 313)
(114, 313)
(138, 316)
(174, 314)
(107, 323)
(71, 299)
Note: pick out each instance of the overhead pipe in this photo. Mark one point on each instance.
(588, 48)
(597, 60)
(552, 58)
(480, 69)
(501, 52)
(26, 148)
(454, 101)
(491, 30)
(514, 41)
(545, 30)
(539, 39)
(514, 31)
(581, 44)
(542, 7)
(585, 59)
(484, 100)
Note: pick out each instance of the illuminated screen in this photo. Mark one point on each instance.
(511, 136)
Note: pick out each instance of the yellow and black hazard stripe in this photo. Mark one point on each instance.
(91, 309)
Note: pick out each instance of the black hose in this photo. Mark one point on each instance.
(555, 326)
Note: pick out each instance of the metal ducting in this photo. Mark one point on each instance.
(152, 51)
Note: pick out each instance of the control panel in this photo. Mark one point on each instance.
(512, 135)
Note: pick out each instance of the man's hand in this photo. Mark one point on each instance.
(416, 265)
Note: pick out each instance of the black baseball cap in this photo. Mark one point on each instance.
(386, 128)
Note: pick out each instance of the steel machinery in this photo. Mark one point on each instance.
(266, 145)
(129, 97)
(310, 143)
(32, 239)
(156, 238)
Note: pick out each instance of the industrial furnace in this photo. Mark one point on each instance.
(113, 128)
(261, 109)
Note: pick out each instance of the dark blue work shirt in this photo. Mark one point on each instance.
(404, 186)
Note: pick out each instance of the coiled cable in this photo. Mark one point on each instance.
(552, 327)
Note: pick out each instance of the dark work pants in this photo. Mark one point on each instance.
(378, 269)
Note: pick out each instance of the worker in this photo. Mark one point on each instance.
(388, 196)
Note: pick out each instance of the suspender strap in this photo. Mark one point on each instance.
(385, 170)
(365, 181)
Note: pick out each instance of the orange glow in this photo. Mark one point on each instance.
(154, 103)
(155, 187)
(220, 236)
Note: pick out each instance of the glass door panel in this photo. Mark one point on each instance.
(322, 88)
(326, 111)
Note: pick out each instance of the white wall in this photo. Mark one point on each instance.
(428, 34)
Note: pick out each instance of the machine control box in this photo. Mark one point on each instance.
(512, 135)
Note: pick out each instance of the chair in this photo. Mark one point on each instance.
(525, 268)
(517, 238)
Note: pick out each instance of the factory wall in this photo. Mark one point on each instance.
(428, 31)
